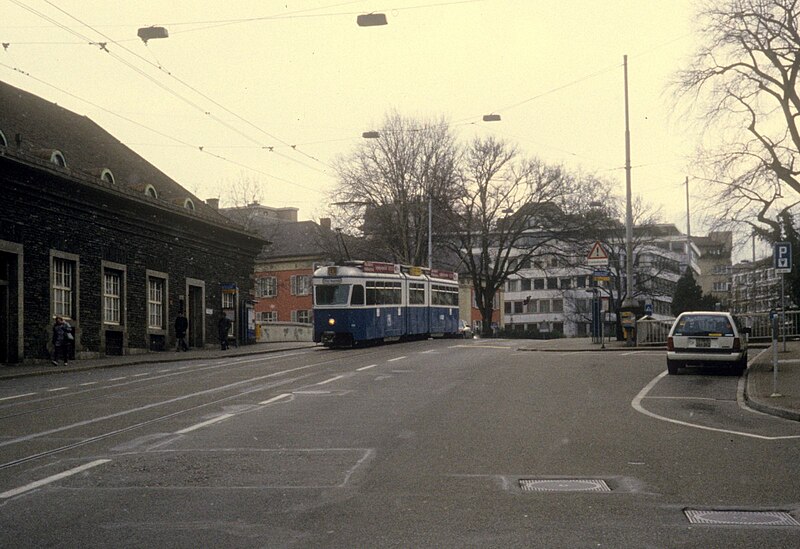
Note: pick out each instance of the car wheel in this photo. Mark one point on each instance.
(672, 367)
(740, 366)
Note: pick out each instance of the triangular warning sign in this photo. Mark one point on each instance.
(597, 252)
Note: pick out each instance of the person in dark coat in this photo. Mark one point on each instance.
(62, 337)
(223, 327)
(181, 325)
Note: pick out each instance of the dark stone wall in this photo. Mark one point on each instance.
(45, 210)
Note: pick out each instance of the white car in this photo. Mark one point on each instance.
(707, 337)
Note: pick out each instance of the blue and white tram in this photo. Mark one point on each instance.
(365, 301)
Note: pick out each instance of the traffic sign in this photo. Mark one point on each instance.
(648, 309)
(782, 257)
(597, 256)
(601, 275)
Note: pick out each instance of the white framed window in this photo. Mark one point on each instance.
(112, 297)
(268, 316)
(303, 316)
(301, 284)
(150, 191)
(266, 286)
(155, 302)
(63, 287)
(228, 299)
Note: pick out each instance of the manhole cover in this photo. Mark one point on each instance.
(564, 485)
(745, 518)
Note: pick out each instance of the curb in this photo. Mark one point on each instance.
(764, 408)
(49, 370)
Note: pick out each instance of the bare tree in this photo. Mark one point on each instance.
(386, 183)
(243, 192)
(510, 210)
(744, 80)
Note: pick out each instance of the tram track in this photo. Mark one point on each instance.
(237, 386)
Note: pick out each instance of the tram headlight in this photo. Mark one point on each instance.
(331, 321)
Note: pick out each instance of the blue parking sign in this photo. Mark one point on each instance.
(782, 257)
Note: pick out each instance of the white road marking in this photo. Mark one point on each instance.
(48, 480)
(478, 346)
(365, 368)
(87, 383)
(57, 389)
(140, 375)
(637, 405)
(311, 392)
(276, 398)
(330, 380)
(396, 359)
(118, 378)
(642, 353)
(164, 370)
(204, 424)
(18, 396)
(428, 351)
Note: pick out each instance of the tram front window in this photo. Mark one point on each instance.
(332, 295)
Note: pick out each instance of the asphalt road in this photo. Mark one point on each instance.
(424, 444)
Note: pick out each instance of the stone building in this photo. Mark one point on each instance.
(91, 231)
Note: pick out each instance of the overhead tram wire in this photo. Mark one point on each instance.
(199, 148)
(182, 82)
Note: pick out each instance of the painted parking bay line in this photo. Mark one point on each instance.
(51, 479)
(636, 403)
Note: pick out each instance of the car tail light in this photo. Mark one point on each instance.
(670, 344)
(737, 344)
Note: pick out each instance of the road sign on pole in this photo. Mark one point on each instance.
(782, 257)
(597, 256)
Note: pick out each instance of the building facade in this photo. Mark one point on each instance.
(92, 232)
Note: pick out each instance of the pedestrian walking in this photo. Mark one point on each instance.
(62, 338)
(181, 325)
(223, 327)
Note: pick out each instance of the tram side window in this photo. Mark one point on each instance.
(416, 293)
(444, 295)
(358, 295)
(384, 293)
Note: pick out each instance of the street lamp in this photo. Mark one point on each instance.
(371, 20)
(149, 33)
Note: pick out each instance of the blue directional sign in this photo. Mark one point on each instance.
(782, 257)
(648, 309)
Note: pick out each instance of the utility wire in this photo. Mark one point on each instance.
(200, 148)
(170, 91)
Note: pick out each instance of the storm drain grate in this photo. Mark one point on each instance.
(564, 485)
(743, 518)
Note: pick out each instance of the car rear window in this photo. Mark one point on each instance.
(703, 325)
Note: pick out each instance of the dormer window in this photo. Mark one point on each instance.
(151, 191)
(188, 204)
(58, 159)
(3, 140)
(107, 176)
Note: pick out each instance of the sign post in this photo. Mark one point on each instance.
(782, 262)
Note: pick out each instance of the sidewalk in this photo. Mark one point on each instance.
(45, 367)
(758, 389)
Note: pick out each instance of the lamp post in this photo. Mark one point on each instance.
(628, 304)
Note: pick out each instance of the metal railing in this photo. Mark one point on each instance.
(654, 332)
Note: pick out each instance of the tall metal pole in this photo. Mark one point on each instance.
(430, 231)
(688, 226)
(628, 302)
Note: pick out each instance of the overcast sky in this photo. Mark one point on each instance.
(303, 78)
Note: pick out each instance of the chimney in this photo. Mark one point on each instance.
(325, 223)
(213, 202)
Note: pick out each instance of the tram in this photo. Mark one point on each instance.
(363, 302)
